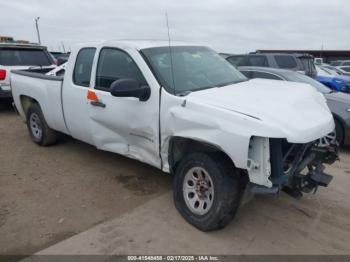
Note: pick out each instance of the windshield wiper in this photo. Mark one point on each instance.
(231, 83)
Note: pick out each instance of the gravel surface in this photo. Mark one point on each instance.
(53, 193)
(49, 194)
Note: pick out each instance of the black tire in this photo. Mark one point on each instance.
(227, 191)
(47, 136)
(339, 132)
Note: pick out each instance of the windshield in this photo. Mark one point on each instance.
(190, 68)
(297, 77)
(24, 57)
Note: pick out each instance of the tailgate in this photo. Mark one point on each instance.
(5, 74)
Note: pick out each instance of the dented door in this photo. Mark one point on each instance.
(123, 125)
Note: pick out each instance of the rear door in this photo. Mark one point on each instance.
(76, 87)
(125, 125)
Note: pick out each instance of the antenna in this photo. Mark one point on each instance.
(170, 51)
(64, 49)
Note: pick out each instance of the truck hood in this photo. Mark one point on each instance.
(296, 109)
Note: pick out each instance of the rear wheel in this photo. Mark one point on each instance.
(39, 131)
(207, 191)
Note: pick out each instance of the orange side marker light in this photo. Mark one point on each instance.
(91, 95)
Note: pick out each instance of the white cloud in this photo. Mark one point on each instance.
(232, 26)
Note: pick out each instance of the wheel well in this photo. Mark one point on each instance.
(26, 102)
(180, 146)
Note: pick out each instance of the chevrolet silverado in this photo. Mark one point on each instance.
(187, 111)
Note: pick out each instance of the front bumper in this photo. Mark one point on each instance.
(299, 168)
(288, 162)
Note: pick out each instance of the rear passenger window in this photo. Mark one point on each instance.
(265, 75)
(257, 60)
(285, 61)
(236, 60)
(346, 64)
(83, 66)
(114, 64)
(248, 60)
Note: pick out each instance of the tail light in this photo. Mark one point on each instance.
(2, 74)
(55, 61)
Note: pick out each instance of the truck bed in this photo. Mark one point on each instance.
(46, 90)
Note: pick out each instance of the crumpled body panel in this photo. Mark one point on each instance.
(228, 117)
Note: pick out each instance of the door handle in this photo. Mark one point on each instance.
(98, 103)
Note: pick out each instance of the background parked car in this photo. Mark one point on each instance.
(340, 63)
(338, 103)
(20, 56)
(333, 80)
(296, 62)
(337, 70)
(345, 69)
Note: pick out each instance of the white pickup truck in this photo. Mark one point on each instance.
(185, 110)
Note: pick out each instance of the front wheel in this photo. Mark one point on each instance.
(39, 131)
(207, 191)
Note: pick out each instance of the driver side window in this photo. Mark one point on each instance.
(114, 64)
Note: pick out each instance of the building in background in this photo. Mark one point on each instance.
(6, 38)
(10, 39)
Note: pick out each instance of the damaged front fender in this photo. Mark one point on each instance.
(247, 140)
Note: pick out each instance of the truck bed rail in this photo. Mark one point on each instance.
(38, 73)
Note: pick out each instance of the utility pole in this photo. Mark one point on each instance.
(37, 29)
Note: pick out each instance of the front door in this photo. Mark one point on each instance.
(124, 125)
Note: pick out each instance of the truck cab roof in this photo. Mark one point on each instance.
(21, 45)
(136, 44)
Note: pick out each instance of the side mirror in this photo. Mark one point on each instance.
(130, 88)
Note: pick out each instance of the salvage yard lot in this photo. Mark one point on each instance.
(50, 194)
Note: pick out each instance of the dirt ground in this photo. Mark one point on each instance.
(50, 194)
